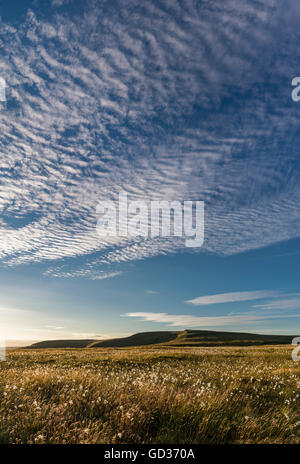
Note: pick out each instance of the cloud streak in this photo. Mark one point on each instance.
(232, 297)
(285, 303)
(186, 321)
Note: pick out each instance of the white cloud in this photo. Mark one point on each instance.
(88, 335)
(152, 292)
(232, 297)
(89, 270)
(99, 102)
(187, 321)
(54, 327)
(285, 303)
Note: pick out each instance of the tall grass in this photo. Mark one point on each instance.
(196, 395)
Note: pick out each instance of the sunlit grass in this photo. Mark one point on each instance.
(150, 395)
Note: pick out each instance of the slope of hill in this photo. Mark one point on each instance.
(139, 339)
(173, 338)
(62, 344)
(217, 338)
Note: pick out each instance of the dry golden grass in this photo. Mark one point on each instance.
(150, 395)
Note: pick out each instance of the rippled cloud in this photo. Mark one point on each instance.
(165, 100)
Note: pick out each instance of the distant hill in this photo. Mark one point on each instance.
(62, 344)
(139, 339)
(173, 338)
(216, 338)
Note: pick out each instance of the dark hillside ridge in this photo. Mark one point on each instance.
(139, 339)
(62, 344)
(217, 338)
(174, 338)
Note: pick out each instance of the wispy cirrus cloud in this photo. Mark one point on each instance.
(232, 297)
(54, 327)
(90, 271)
(186, 321)
(163, 100)
(280, 304)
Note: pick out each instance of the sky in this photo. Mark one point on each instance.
(164, 100)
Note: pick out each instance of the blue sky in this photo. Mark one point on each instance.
(165, 100)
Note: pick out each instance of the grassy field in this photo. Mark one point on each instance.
(150, 395)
